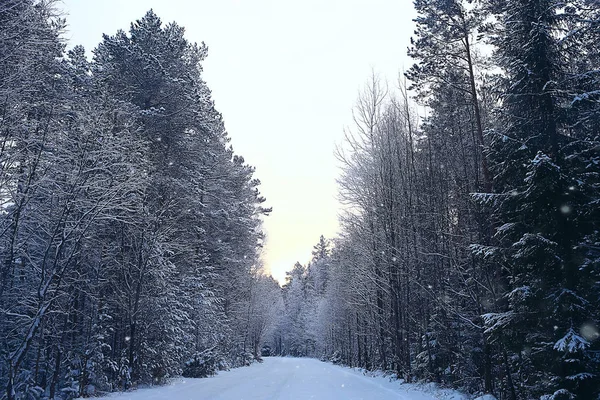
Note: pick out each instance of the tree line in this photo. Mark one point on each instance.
(469, 251)
(130, 232)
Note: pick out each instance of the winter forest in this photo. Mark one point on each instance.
(469, 247)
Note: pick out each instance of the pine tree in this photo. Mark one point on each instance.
(202, 205)
(541, 206)
(445, 50)
(122, 200)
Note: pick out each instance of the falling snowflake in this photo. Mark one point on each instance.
(589, 332)
(565, 209)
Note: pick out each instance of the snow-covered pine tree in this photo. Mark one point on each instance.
(74, 172)
(445, 51)
(121, 201)
(317, 272)
(294, 324)
(202, 205)
(542, 205)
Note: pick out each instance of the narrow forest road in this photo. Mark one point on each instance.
(282, 378)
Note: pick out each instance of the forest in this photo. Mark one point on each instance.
(469, 247)
(129, 229)
(469, 253)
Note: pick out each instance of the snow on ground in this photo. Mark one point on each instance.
(288, 379)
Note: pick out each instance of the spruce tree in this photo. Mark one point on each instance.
(540, 205)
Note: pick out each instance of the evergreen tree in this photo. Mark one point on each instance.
(121, 200)
(541, 204)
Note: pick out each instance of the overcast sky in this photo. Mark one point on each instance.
(285, 75)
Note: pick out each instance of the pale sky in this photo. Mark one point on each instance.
(285, 74)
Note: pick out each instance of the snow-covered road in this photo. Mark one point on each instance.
(279, 379)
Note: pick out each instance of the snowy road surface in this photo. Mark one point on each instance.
(283, 378)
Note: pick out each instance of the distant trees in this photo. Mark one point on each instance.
(469, 245)
(296, 332)
(129, 230)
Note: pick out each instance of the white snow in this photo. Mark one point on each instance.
(486, 397)
(290, 379)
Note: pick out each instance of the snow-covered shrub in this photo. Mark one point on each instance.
(336, 358)
(245, 359)
(266, 351)
(202, 365)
